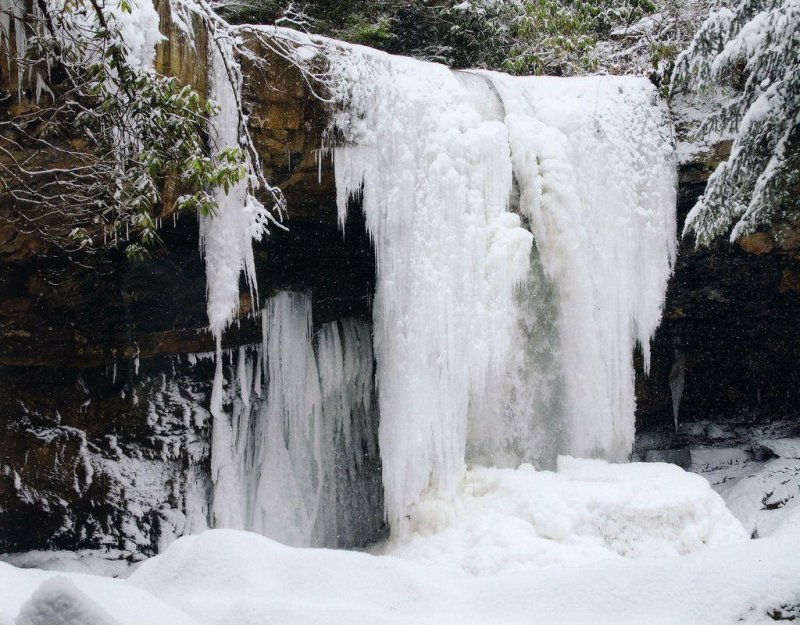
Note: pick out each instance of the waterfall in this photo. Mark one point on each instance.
(434, 179)
(485, 344)
(593, 161)
(524, 233)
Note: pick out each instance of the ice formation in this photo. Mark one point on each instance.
(593, 160)
(463, 351)
(291, 459)
(435, 179)
(500, 519)
(226, 236)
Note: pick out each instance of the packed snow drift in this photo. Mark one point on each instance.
(593, 543)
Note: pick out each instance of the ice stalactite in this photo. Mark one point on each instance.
(677, 380)
(291, 459)
(226, 240)
(227, 235)
(435, 180)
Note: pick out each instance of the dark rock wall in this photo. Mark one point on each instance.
(731, 321)
(104, 434)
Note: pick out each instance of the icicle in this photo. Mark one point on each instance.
(431, 153)
(243, 376)
(226, 238)
(288, 469)
(677, 378)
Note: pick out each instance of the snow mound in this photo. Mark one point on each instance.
(767, 499)
(59, 602)
(31, 596)
(227, 577)
(589, 510)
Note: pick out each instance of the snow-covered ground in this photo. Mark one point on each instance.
(591, 543)
(761, 485)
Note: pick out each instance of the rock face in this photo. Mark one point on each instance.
(105, 438)
(105, 441)
(730, 327)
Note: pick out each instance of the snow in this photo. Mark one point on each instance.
(58, 602)
(766, 497)
(502, 519)
(760, 487)
(781, 447)
(139, 30)
(84, 595)
(110, 563)
(595, 543)
(225, 577)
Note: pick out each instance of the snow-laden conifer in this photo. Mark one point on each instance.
(756, 50)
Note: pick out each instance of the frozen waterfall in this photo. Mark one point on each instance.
(295, 457)
(524, 231)
(485, 349)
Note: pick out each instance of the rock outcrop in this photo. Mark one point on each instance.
(729, 334)
(104, 439)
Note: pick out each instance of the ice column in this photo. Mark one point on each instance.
(594, 161)
(301, 448)
(435, 179)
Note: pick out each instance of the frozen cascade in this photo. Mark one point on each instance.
(226, 237)
(463, 354)
(298, 452)
(594, 164)
(435, 180)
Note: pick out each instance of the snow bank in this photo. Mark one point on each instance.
(766, 499)
(590, 511)
(76, 596)
(502, 519)
(231, 578)
(109, 563)
(59, 602)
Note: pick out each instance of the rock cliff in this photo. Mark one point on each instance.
(104, 438)
(103, 442)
